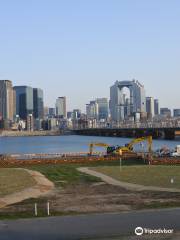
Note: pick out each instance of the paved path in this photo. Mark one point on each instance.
(89, 226)
(43, 186)
(129, 186)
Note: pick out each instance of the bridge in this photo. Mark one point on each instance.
(156, 132)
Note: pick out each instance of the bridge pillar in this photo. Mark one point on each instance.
(169, 134)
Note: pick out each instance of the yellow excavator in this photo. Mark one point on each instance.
(122, 149)
(96, 144)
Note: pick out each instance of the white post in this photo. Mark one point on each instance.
(35, 209)
(120, 163)
(120, 160)
(48, 213)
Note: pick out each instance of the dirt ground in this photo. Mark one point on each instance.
(96, 198)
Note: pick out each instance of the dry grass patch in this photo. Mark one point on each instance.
(14, 180)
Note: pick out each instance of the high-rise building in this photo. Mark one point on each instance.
(24, 101)
(150, 107)
(165, 112)
(156, 107)
(76, 113)
(46, 111)
(69, 115)
(7, 100)
(103, 108)
(51, 112)
(137, 100)
(61, 107)
(176, 112)
(38, 103)
(30, 122)
(92, 110)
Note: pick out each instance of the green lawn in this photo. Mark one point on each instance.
(62, 175)
(14, 180)
(159, 176)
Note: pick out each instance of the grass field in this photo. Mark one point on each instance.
(78, 192)
(159, 176)
(64, 174)
(14, 180)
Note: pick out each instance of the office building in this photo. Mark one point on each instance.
(69, 115)
(92, 110)
(150, 107)
(24, 101)
(46, 111)
(103, 108)
(118, 104)
(30, 122)
(76, 113)
(7, 101)
(51, 112)
(156, 107)
(38, 103)
(176, 112)
(165, 112)
(61, 107)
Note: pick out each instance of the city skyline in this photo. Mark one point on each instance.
(83, 109)
(79, 48)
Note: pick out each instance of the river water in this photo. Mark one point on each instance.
(65, 144)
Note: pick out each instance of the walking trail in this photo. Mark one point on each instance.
(43, 187)
(129, 186)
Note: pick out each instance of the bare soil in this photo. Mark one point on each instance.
(95, 198)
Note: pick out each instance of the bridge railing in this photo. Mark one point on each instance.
(149, 124)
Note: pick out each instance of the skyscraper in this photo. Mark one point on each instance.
(103, 108)
(24, 101)
(38, 103)
(150, 107)
(92, 110)
(7, 100)
(61, 107)
(156, 106)
(137, 101)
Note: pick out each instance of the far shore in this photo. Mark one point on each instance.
(29, 133)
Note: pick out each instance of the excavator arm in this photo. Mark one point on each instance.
(95, 144)
(141, 139)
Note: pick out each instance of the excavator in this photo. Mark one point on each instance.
(122, 149)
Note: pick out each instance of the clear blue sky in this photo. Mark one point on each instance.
(78, 48)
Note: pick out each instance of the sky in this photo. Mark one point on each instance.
(79, 48)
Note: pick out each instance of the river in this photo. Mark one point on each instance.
(65, 144)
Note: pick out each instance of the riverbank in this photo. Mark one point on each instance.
(29, 133)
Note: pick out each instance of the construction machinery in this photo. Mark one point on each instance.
(96, 144)
(129, 147)
(122, 149)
